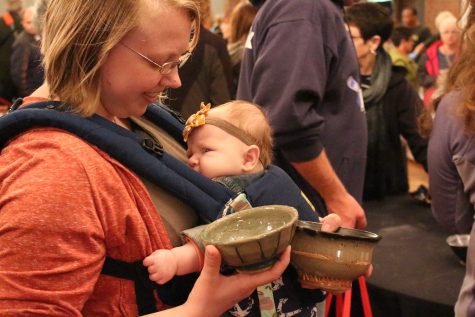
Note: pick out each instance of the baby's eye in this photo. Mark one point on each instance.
(205, 149)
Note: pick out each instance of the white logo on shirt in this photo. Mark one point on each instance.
(355, 86)
(249, 39)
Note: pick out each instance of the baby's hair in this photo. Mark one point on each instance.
(250, 118)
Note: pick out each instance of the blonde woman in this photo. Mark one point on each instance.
(439, 57)
(239, 25)
(65, 204)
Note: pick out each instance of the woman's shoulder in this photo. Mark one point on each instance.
(448, 124)
(54, 144)
(449, 103)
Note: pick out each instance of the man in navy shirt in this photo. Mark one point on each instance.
(300, 66)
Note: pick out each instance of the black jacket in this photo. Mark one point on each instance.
(401, 107)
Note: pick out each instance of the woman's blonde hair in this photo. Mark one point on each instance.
(78, 36)
(252, 119)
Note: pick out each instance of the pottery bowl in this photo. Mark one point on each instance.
(331, 260)
(252, 239)
(459, 245)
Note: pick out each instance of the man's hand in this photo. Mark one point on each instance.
(351, 213)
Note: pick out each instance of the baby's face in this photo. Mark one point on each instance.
(213, 152)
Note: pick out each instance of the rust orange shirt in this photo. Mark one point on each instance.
(64, 205)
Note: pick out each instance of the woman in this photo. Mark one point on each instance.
(239, 25)
(391, 104)
(451, 157)
(65, 204)
(437, 59)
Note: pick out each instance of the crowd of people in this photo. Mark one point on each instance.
(328, 91)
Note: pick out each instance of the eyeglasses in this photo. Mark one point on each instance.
(165, 68)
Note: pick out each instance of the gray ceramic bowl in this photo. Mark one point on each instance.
(459, 245)
(331, 260)
(252, 239)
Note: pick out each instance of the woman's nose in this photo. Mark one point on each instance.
(172, 80)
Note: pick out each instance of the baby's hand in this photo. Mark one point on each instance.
(162, 266)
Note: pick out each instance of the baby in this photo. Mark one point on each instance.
(231, 144)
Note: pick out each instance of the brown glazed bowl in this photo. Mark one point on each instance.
(331, 260)
(251, 240)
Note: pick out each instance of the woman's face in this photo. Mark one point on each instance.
(450, 34)
(128, 81)
(362, 47)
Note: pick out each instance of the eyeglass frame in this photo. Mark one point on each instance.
(163, 68)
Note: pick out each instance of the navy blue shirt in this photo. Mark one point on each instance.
(300, 65)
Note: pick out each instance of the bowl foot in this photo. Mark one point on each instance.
(328, 284)
(258, 267)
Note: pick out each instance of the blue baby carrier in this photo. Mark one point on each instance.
(145, 156)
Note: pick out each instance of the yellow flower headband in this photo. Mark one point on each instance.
(200, 118)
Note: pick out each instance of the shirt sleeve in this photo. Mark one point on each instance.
(410, 107)
(52, 244)
(288, 80)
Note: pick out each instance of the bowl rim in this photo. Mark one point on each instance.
(288, 209)
(449, 239)
(341, 233)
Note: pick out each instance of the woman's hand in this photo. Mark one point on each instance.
(214, 293)
(331, 222)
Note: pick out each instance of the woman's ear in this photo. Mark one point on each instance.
(251, 158)
(375, 42)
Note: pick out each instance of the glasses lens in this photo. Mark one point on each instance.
(168, 67)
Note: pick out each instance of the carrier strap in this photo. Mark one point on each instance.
(142, 155)
(173, 293)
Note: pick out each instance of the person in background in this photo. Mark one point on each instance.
(451, 156)
(240, 23)
(437, 59)
(403, 42)
(10, 27)
(25, 63)
(422, 34)
(70, 205)
(39, 12)
(223, 27)
(300, 66)
(207, 76)
(392, 105)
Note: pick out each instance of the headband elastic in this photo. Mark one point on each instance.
(200, 118)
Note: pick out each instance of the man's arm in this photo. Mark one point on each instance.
(319, 173)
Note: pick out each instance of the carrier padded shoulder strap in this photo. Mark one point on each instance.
(202, 194)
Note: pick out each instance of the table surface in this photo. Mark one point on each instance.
(412, 260)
